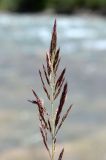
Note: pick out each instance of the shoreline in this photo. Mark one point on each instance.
(50, 12)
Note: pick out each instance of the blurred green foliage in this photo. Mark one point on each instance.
(66, 6)
(69, 6)
(59, 6)
(23, 5)
(93, 4)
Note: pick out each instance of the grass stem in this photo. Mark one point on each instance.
(52, 114)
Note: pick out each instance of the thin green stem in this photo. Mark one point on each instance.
(52, 115)
(52, 132)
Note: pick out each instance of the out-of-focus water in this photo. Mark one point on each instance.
(76, 34)
(24, 39)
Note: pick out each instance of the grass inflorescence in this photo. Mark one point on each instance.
(52, 122)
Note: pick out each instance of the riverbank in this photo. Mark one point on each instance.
(57, 6)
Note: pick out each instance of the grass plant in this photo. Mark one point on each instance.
(55, 86)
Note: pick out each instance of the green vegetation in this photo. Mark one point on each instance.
(59, 6)
(23, 5)
(69, 6)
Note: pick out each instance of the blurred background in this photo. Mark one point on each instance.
(25, 33)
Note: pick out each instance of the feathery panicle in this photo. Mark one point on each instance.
(50, 122)
(61, 154)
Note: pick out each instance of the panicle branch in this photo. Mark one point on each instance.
(61, 154)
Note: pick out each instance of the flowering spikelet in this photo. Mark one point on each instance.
(63, 118)
(49, 65)
(59, 89)
(62, 100)
(60, 79)
(44, 87)
(56, 58)
(46, 76)
(50, 129)
(57, 65)
(53, 41)
(61, 154)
